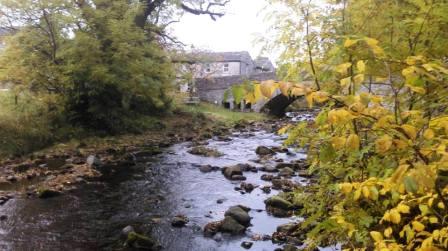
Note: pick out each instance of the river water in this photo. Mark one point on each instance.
(91, 217)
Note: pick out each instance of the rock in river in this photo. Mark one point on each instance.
(233, 172)
(230, 225)
(204, 151)
(45, 193)
(262, 150)
(239, 214)
(208, 168)
(179, 221)
(278, 206)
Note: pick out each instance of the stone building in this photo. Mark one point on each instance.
(212, 73)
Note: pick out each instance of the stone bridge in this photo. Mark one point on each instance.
(212, 90)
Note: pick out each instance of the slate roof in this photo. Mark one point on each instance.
(263, 63)
(236, 56)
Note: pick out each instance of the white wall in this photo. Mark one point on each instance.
(217, 69)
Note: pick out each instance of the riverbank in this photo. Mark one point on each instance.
(64, 166)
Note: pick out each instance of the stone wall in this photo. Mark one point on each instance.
(212, 89)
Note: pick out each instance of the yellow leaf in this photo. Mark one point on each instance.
(346, 82)
(357, 194)
(395, 216)
(428, 134)
(383, 144)
(348, 42)
(388, 232)
(399, 174)
(418, 226)
(285, 88)
(268, 88)
(400, 144)
(365, 192)
(433, 220)
(441, 205)
(410, 131)
(402, 208)
(342, 68)
(361, 66)
(309, 99)
(371, 41)
(346, 187)
(353, 142)
(320, 96)
(298, 91)
(377, 236)
(283, 130)
(338, 142)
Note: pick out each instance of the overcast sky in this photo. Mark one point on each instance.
(236, 31)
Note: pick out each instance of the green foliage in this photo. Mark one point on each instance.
(105, 68)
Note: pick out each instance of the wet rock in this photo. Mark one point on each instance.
(286, 172)
(208, 168)
(269, 169)
(262, 150)
(231, 171)
(248, 187)
(230, 225)
(266, 189)
(267, 177)
(3, 217)
(278, 202)
(126, 230)
(239, 214)
(141, 242)
(179, 221)
(220, 201)
(204, 151)
(93, 161)
(212, 228)
(285, 185)
(288, 228)
(11, 178)
(246, 167)
(238, 177)
(289, 165)
(247, 244)
(45, 193)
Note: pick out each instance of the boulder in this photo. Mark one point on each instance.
(45, 193)
(232, 226)
(179, 221)
(208, 168)
(248, 187)
(204, 151)
(231, 171)
(239, 214)
(266, 177)
(93, 161)
(141, 242)
(262, 150)
(278, 202)
(286, 172)
(247, 244)
(212, 228)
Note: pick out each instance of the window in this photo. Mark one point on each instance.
(226, 67)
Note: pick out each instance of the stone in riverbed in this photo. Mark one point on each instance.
(262, 150)
(246, 244)
(208, 168)
(179, 221)
(248, 187)
(232, 226)
(204, 151)
(278, 202)
(269, 169)
(267, 177)
(231, 171)
(286, 172)
(239, 214)
(141, 242)
(93, 161)
(238, 177)
(212, 228)
(45, 193)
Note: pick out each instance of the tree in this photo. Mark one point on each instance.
(105, 60)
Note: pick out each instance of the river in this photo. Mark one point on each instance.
(92, 217)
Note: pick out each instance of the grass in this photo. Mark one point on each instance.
(222, 114)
